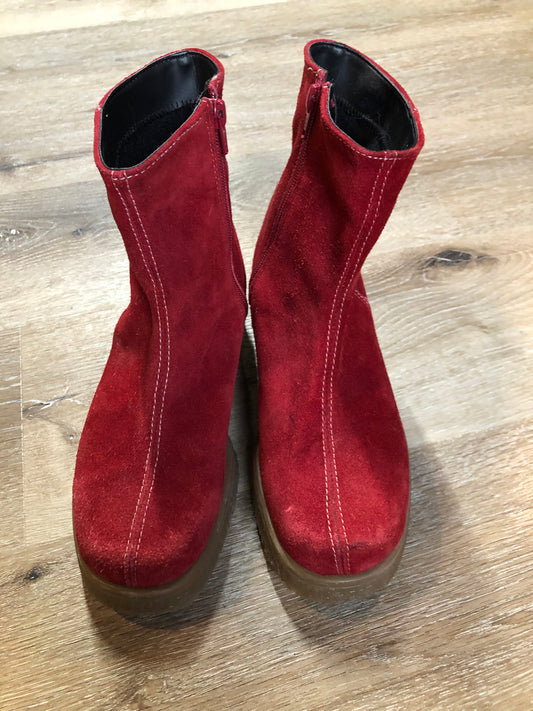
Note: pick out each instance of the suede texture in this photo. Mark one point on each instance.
(151, 459)
(332, 451)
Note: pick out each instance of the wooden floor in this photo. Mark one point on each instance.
(450, 285)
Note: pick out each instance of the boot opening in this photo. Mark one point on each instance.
(146, 109)
(364, 104)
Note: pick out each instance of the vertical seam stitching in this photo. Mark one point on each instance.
(326, 486)
(163, 396)
(127, 554)
(326, 362)
(334, 359)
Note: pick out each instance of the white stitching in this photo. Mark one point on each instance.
(353, 148)
(326, 360)
(127, 554)
(156, 459)
(333, 547)
(339, 323)
(361, 298)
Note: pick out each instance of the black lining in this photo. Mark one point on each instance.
(148, 107)
(124, 144)
(379, 134)
(364, 104)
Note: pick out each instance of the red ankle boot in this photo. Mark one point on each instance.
(332, 476)
(155, 473)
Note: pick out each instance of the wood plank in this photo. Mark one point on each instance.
(23, 18)
(439, 636)
(94, 63)
(11, 455)
(449, 286)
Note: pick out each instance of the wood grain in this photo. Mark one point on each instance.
(449, 282)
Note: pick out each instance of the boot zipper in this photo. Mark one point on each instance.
(219, 110)
(312, 104)
(220, 117)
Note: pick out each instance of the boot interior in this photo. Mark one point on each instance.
(146, 109)
(364, 103)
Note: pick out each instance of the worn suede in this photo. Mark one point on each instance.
(332, 451)
(151, 459)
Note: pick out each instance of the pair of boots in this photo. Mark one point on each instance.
(156, 473)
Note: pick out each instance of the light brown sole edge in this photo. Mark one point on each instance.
(316, 587)
(181, 592)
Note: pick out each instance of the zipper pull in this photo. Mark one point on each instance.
(310, 102)
(220, 118)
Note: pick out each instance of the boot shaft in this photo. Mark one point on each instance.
(333, 461)
(154, 471)
(356, 135)
(160, 144)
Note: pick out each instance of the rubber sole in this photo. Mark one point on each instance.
(320, 588)
(178, 593)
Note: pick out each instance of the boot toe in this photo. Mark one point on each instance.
(168, 546)
(354, 551)
(158, 560)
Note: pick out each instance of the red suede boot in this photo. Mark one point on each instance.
(332, 477)
(155, 473)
